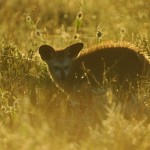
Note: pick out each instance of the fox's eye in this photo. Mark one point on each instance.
(66, 67)
(56, 68)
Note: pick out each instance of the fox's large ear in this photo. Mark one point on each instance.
(46, 52)
(73, 50)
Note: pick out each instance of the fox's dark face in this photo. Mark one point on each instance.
(60, 66)
(60, 63)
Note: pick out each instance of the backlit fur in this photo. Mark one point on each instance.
(119, 62)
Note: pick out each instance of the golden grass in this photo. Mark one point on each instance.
(34, 114)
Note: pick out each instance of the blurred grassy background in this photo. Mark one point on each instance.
(25, 20)
(54, 121)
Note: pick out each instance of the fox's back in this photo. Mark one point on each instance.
(120, 61)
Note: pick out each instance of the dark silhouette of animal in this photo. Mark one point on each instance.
(120, 63)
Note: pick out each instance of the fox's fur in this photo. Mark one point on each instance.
(119, 62)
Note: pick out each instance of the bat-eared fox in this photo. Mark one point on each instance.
(122, 63)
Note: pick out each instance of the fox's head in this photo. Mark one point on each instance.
(60, 63)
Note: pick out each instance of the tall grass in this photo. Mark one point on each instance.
(34, 113)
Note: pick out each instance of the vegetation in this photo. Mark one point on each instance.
(34, 113)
